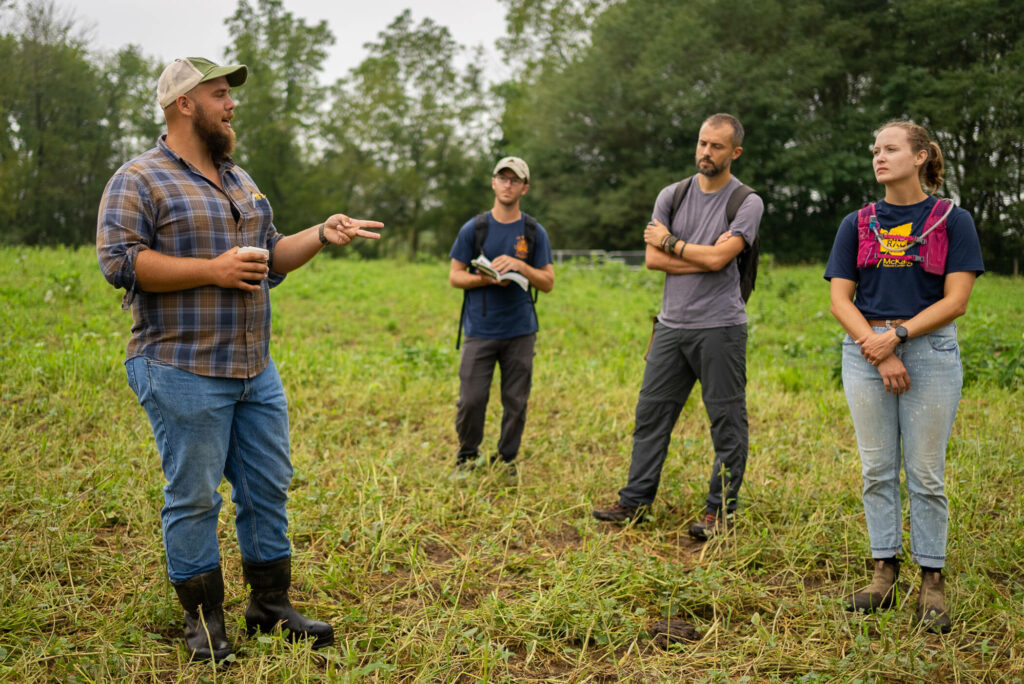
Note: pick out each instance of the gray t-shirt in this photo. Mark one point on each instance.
(710, 299)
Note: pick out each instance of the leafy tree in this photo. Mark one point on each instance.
(615, 121)
(408, 136)
(129, 96)
(547, 32)
(278, 118)
(962, 76)
(55, 154)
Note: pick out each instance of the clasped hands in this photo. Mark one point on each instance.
(877, 349)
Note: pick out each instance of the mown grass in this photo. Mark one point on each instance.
(434, 578)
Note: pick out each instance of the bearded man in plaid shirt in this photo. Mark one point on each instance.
(190, 238)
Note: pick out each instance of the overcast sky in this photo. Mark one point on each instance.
(184, 28)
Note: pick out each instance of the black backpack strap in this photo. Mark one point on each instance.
(735, 200)
(530, 235)
(732, 207)
(480, 225)
(746, 261)
(677, 199)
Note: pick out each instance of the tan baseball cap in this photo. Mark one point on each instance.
(517, 165)
(182, 75)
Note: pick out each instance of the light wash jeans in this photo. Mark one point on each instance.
(912, 428)
(209, 428)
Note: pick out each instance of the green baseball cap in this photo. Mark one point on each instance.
(182, 75)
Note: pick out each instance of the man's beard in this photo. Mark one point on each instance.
(713, 171)
(220, 143)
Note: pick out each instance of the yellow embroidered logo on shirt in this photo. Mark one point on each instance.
(257, 196)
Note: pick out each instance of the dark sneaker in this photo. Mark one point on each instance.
(507, 465)
(619, 513)
(709, 526)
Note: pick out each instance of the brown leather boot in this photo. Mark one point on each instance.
(931, 603)
(881, 593)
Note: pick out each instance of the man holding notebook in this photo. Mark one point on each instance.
(498, 315)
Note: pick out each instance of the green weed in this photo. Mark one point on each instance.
(430, 577)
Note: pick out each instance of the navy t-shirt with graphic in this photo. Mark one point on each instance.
(494, 311)
(895, 288)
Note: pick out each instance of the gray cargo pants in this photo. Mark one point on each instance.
(515, 358)
(677, 359)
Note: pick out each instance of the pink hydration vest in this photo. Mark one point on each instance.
(933, 240)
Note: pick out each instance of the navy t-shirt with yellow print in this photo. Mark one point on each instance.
(496, 312)
(897, 288)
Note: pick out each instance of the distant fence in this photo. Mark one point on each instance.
(595, 257)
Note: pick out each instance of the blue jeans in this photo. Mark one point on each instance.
(209, 428)
(912, 428)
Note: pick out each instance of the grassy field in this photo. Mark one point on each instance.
(431, 577)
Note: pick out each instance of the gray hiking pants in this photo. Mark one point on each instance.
(677, 359)
(515, 358)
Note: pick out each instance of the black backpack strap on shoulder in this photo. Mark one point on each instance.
(746, 261)
(735, 200)
(480, 225)
(677, 198)
(530, 235)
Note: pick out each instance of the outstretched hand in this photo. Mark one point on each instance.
(341, 230)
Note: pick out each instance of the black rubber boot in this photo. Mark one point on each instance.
(202, 597)
(269, 605)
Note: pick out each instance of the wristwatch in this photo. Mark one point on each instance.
(901, 333)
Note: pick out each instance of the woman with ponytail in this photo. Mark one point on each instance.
(901, 271)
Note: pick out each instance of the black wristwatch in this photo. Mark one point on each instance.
(901, 333)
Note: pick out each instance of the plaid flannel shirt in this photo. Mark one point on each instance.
(159, 201)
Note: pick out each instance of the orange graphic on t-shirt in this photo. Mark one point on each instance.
(522, 250)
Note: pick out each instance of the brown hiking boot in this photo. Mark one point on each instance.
(710, 525)
(881, 593)
(619, 513)
(931, 603)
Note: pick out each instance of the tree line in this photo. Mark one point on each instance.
(604, 102)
